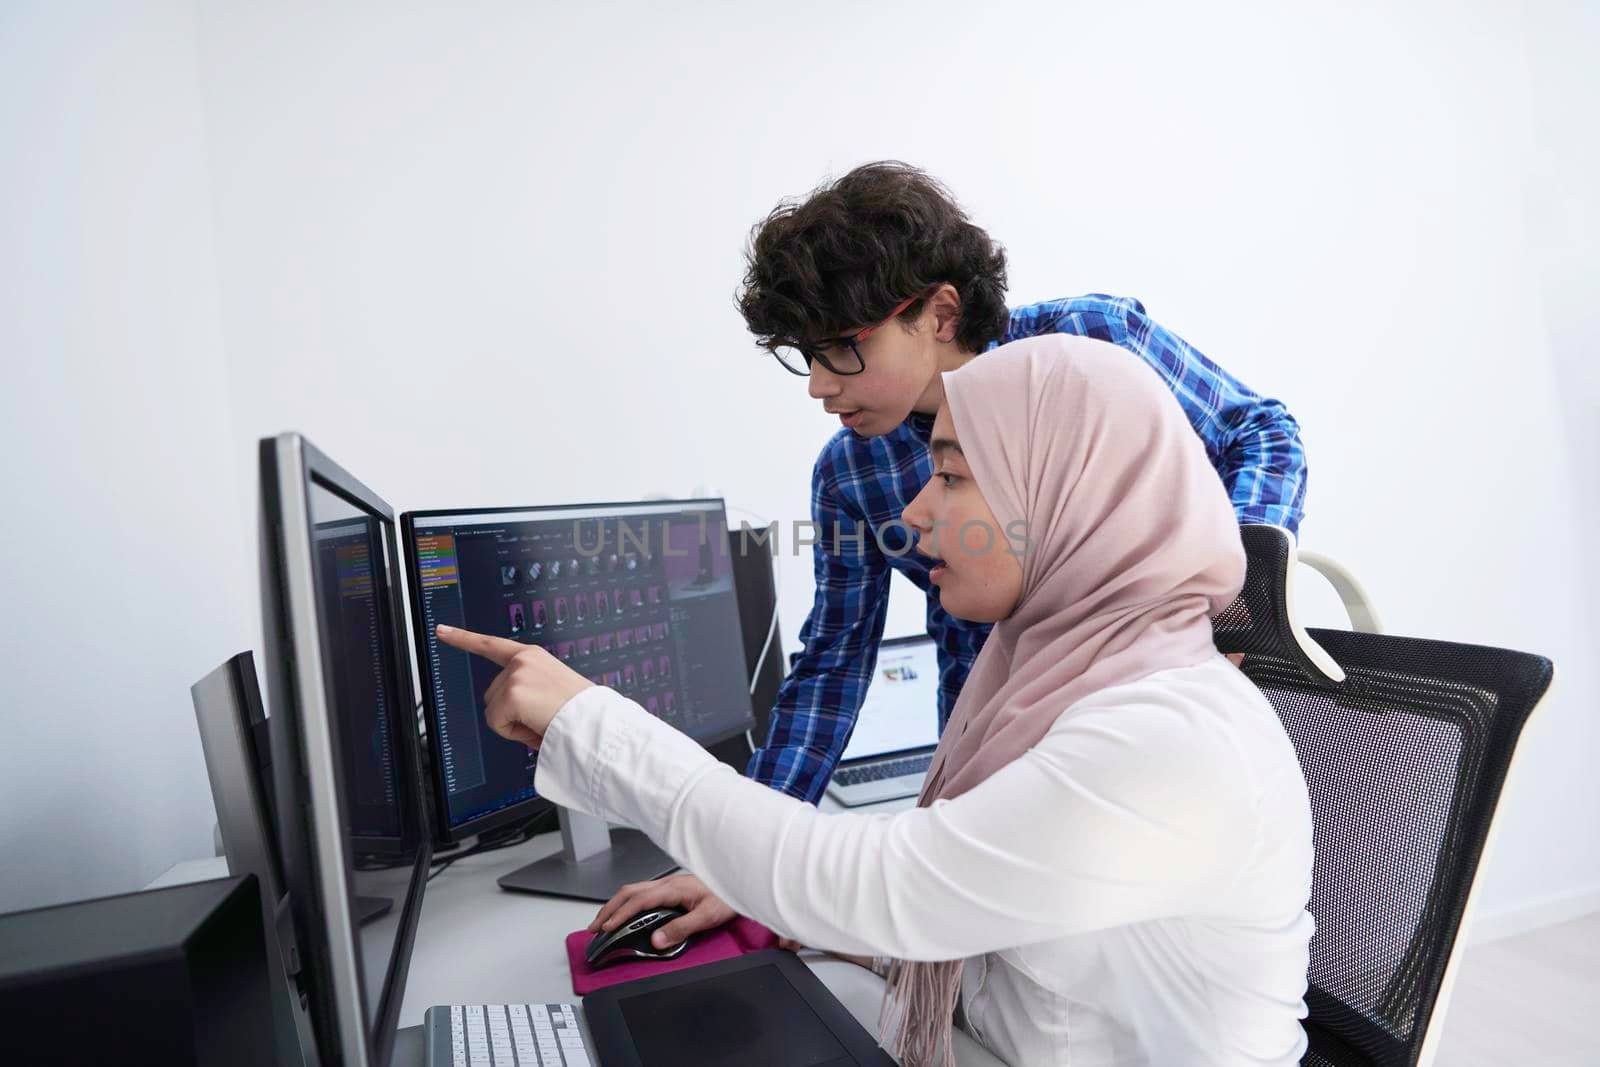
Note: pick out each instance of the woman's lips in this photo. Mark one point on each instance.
(936, 572)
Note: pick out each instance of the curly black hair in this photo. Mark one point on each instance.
(855, 247)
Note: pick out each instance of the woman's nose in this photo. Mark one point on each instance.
(915, 515)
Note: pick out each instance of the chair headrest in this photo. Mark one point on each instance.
(1262, 620)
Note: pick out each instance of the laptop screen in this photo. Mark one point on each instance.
(902, 706)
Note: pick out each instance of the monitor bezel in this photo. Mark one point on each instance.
(443, 831)
(310, 804)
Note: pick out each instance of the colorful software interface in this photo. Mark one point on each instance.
(636, 597)
(356, 664)
(355, 615)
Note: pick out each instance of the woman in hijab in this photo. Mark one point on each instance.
(1111, 856)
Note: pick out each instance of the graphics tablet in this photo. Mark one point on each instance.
(765, 1007)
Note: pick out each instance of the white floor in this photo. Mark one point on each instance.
(1528, 1001)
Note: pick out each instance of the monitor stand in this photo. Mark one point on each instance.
(410, 1047)
(369, 908)
(594, 862)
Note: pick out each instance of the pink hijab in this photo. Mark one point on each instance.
(1131, 546)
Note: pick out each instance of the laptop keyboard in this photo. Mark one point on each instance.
(517, 1035)
(877, 772)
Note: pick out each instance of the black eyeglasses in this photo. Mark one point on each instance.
(797, 359)
(846, 358)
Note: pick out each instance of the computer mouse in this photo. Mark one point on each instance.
(631, 940)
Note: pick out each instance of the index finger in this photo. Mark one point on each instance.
(497, 650)
(614, 908)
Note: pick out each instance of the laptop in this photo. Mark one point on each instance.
(898, 727)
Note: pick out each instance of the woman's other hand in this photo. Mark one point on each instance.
(706, 911)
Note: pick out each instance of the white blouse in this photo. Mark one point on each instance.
(1131, 890)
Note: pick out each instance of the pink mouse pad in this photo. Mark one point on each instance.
(725, 942)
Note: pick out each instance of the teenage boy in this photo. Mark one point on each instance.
(871, 288)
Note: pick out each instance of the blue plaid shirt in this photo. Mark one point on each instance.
(864, 483)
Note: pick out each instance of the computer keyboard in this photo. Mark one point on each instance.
(877, 772)
(516, 1035)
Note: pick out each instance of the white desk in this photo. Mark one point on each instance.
(478, 944)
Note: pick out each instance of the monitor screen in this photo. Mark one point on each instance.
(638, 597)
(367, 712)
(901, 710)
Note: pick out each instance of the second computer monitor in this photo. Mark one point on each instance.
(636, 596)
(351, 830)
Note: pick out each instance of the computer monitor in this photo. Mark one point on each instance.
(346, 775)
(636, 596)
(228, 710)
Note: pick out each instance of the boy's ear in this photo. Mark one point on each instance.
(945, 303)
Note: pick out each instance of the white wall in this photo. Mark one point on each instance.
(1552, 831)
(489, 257)
(487, 254)
(124, 566)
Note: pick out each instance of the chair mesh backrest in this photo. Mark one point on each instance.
(1404, 761)
(1258, 621)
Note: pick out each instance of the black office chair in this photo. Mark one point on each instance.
(1405, 745)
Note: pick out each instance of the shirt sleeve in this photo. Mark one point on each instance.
(817, 704)
(1119, 815)
(1253, 441)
